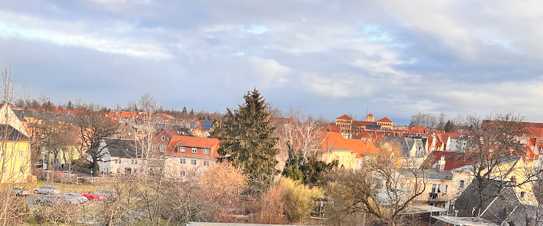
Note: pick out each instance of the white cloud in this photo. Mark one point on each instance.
(270, 70)
(14, 26)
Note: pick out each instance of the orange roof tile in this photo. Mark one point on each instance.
(334, 141)
(385, 119)
(193, 142)
(345, 117)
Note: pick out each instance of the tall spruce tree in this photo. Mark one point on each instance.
(247, 141)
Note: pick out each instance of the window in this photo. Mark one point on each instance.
(162, 147)
(461, 185)
(181, 149)
(194, 150)
(120, 161)
(193, 162)
(206, 163)
(163, 138)
(206, 151)
(522, 194)
(182, 161)
(434, 188)
(183, 173)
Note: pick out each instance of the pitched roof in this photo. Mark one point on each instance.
(8, 118)
(335, 142)
(418, 129)
(344, 117)
(498, 200)
(193, 142)
(198, 142)
(385, 119)
(453, 160)
(122, 148)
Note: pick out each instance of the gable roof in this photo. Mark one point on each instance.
(335, 142)
(193, 142)
(122, 148)
(344, 117)
(499, 202)
(385, 119)
(8, 118)
(453, 160)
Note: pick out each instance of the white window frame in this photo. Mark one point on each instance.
(194, 150)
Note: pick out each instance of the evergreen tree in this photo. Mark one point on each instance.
(247, 141)
(309, 170)
(70, 106)
(293, 165)
(449, 126)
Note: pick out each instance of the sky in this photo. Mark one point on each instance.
(318, 57)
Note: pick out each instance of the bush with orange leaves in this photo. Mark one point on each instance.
(221, 186)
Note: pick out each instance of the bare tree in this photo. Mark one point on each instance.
(381, 190)
(94, 127)
(300, 133)
(496, 148)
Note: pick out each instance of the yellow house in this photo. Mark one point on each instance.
(348, 152)
(15, 161)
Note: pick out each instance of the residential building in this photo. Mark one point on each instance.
(348, 152)
(189, 155)
(15, 160)
(121, 157)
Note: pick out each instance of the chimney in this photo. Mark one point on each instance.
(441, 163)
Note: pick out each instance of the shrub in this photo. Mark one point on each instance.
(288, 201)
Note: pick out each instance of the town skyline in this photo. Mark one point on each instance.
(355, 57)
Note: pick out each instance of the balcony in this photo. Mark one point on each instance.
(438, 197)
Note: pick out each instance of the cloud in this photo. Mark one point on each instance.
(391, 57)
(14, 26)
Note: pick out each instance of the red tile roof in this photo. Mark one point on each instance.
(344, 117)
(453, 160)
(385, 119)
(193, 142)
(418, 129)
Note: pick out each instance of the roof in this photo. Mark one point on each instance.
(193, 142)
(492, 190)
(122, 148)
(453, 160)
(335, 142)
(418, 129)
(8, 118)
(385, 119)
(197, 142)
(344, 117)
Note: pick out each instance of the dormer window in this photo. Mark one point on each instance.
(163, 138)
(206, 151)
(194, 150)
(181, 149)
